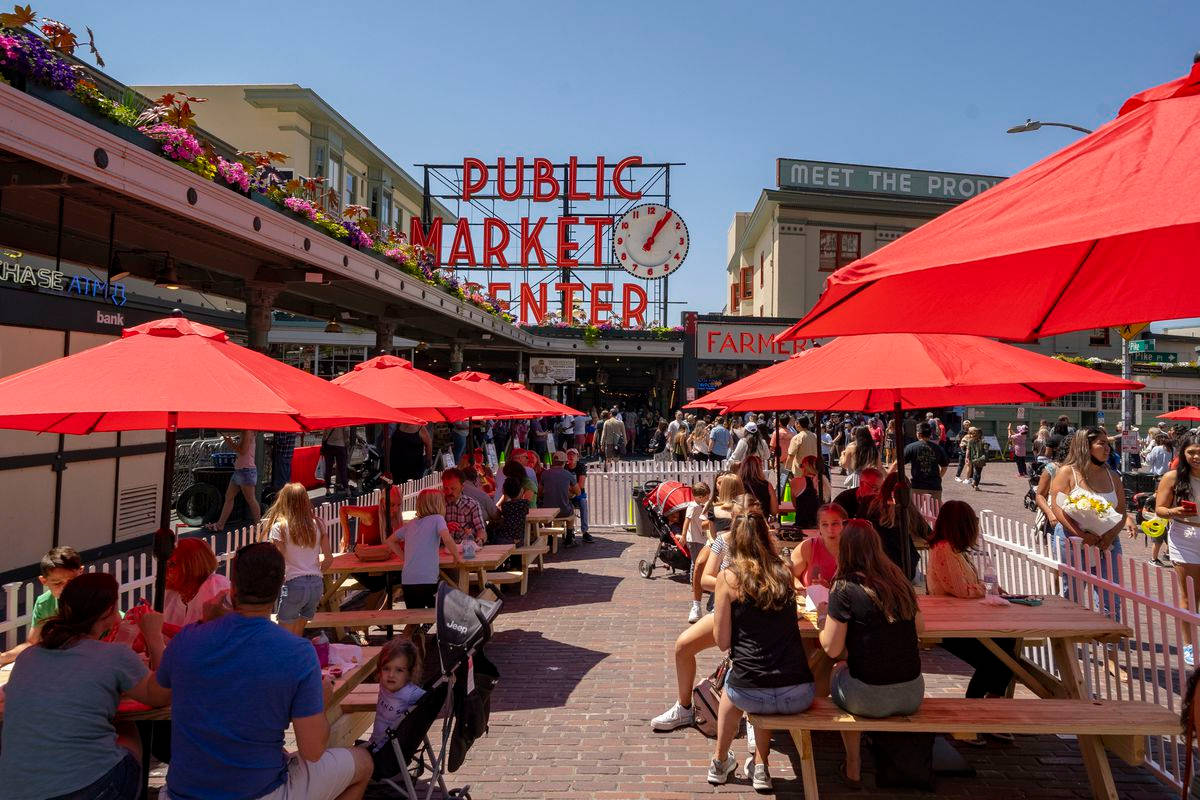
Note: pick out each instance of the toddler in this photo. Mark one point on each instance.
(398, 666)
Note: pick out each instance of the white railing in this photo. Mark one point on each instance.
(135, 573)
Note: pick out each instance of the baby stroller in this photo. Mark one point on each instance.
(667, 498)
(461, 690)
(1035, 475)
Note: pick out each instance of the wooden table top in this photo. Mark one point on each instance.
(486, 557)
(542, 515)
(955, 617)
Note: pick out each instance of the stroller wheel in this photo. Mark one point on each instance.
(645, 568)
(459, 794)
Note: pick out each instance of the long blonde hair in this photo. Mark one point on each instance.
(293, 508)
(763, 579)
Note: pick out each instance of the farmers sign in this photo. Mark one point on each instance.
(718, 341)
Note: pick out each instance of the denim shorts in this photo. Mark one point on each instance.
(299, 597)
(780, 700)
(122, 782)
(246, 476)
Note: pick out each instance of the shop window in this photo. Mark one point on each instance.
(351, 194)
(733, 298)
(839, 248)
(335, 176)
(1110, 401)
(761, 272)
(1152, 401)
(1098, 337)
(747, 283)
(1178, 400)
(1084, 400)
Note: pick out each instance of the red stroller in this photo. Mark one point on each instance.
(667, 498)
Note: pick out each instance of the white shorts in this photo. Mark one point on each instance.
(320, 780)
(1183, 542)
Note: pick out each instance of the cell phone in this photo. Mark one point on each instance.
(1189, 506)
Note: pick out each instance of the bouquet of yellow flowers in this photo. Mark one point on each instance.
(1088, 510)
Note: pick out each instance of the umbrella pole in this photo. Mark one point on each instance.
(903, 495)
(387, 481)
(164, 537)
(778, 463)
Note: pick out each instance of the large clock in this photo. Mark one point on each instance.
(650, 241)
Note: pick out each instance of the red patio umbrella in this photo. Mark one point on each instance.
(717, 399)
(889, 371)
(523, 407)
(177, 374)
(552, 406)
(397, 383)
(1184, 414)
(1064, 245)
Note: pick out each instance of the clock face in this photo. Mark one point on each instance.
(650, 241)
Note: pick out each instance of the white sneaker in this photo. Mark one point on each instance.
(750, 739)
(758, 775)
(696, 613)
(674, 717)
(718, 772)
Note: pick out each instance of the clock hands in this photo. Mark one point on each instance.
(650, 242)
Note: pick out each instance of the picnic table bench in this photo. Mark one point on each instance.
(1122, 724)
(1063, 705)
(407, 618)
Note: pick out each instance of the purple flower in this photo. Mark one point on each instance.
(29, 56)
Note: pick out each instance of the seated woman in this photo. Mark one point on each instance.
(873, 618)
(815, 560)
(516, 468)
(755, 620)
(192, 582)
(750, 470)
(883, 513)
(59, 738)
(810, 491)
(953, 574)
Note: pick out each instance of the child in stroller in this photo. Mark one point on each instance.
(399, 664)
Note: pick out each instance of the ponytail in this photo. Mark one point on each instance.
(85, 600)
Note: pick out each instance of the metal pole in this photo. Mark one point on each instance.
(164, 537)
(1126, 402)
(666, 279)
(903, 495)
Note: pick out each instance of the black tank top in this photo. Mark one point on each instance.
(766, 651)
(807, 503)
(408, 455)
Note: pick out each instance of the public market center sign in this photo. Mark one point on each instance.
(832, 176)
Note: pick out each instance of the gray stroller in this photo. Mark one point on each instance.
(461, 691)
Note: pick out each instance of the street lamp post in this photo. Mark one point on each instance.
(1126, 365)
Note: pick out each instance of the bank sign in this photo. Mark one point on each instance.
(719, 341)
(864, 179)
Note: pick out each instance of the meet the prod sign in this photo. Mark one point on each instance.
(601, 225)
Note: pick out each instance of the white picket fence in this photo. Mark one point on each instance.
(135, 573)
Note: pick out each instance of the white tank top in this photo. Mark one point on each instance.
(1110, 496)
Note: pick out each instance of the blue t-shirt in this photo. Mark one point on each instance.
(236, 683)
(720, 440)
(422, 537)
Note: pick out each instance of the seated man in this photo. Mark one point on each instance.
(472, 490)
(857, 500)
(237, 683)
(463, 515)
(558, 487)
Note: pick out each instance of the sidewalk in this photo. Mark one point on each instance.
(586, 661)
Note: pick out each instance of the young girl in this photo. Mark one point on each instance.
(418, 542)
(192, 581)
(399, 668)
(514, 508)
(295, 529)
(698, 533)
(815, 560)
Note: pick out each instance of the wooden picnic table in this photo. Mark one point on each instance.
(535, 520)
(487, 557)
(1059, 621)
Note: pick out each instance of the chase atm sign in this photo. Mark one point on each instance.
(793, 173)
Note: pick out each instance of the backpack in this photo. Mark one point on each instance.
(706, 698)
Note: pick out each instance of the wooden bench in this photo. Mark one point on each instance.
(1122, 726)
(363, 699)
(408, 618)
(533, 555)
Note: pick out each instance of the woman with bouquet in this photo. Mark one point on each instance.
(1089, 503)
(1176, 502)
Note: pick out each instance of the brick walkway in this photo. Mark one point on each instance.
(586, 662)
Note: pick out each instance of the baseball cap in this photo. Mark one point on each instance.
(559, 457)
(751, 427)
(572, 450)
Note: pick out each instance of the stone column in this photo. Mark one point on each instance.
(385, 333)
(456, 358)
(260, 299)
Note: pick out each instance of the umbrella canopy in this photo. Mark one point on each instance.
(1186, 413)
(396, 382)
(874, 372)
(1064, 245)
(522, 407)
(552, 406)
(719, 398)
(178, 374)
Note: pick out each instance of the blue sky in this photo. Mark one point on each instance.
(725, 87)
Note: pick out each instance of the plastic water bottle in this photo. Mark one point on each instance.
(990, 581)
(468, 548)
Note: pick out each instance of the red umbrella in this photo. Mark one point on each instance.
(1065, 245)
(481, 382)
(1187, 413)
(552, 406)
(876, 372)
(718, 399)
(177, 374)
(396, 382)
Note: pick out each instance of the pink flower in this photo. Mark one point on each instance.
(177, 143)
(301, 206)
(233, 173)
